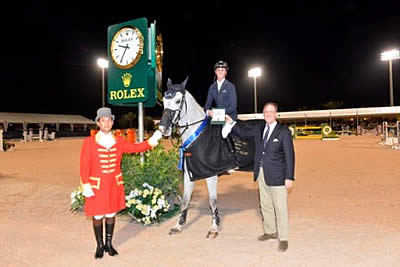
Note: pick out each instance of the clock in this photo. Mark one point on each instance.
(126, 47)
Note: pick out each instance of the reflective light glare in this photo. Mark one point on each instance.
(102, 63)
(256, 72)
(390, 55)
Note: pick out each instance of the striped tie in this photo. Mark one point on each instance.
(266, 136)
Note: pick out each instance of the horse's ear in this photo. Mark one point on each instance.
(169, 83)
(183, 84)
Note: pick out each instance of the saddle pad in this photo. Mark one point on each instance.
(210, 154)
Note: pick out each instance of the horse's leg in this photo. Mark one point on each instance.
(188, 187)
(212, 185)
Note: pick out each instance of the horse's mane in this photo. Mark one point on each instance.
(191, 101)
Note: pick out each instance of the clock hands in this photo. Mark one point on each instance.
(126, 47)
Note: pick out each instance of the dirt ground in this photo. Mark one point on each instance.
(344, 210)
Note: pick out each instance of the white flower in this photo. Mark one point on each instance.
(145, 210)
(161, 203)
(133, 194)
(153, 214)
(148, 186)
(73, 194)
(146, 192)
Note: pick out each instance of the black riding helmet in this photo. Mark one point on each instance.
(221, 64)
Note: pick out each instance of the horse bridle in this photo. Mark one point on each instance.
(175, 125)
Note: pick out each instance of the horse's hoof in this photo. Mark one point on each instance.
(174, 231)
(212, 234)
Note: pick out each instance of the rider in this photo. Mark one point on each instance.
(222, 91)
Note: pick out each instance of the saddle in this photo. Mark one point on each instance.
(210, 154)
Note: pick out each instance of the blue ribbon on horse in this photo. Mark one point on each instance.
(189, 140)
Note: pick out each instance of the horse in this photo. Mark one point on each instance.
(182, 111)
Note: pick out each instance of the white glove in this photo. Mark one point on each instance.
(227, 128)
(87, 190)
(153, 140)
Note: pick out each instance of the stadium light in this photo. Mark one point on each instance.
(255, 72)
(103, 64)
(389, 56)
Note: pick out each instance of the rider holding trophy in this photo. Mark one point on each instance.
(223, 93)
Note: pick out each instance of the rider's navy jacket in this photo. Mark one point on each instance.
(226, 98)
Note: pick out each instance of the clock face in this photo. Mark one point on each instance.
(126, 47)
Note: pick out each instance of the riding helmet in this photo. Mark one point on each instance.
(221, 64)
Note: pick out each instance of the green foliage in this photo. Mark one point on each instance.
(159, 169)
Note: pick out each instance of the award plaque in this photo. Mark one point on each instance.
(218, 116)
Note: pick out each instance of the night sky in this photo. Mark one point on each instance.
(311, 52)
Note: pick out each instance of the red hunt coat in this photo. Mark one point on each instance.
(100, 167)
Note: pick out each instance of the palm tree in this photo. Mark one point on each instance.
(127, 120)
(333, 104)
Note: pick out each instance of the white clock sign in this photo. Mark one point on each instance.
(126, 47)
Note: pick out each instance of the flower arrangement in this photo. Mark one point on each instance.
(77, 200)
(146, 204)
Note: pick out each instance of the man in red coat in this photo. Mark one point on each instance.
(101, 177)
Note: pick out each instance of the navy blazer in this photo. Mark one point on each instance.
(278, 160)
(226, 98)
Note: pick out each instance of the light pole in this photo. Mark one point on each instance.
(103, 64)
(389, 56)
(255, 72)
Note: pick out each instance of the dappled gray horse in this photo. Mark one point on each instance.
(211, 157)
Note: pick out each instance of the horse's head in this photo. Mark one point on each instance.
(173, 101)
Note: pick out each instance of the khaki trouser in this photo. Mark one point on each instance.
(274, 208)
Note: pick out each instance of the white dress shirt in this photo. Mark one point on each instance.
(219, 84)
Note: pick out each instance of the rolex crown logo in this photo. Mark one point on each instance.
(126, 79)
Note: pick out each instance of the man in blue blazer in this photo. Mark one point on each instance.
(274, 162)
(222, 92)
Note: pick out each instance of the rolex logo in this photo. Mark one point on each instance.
(126, 79)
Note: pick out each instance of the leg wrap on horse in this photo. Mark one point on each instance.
(215, 215)
(182, 218)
